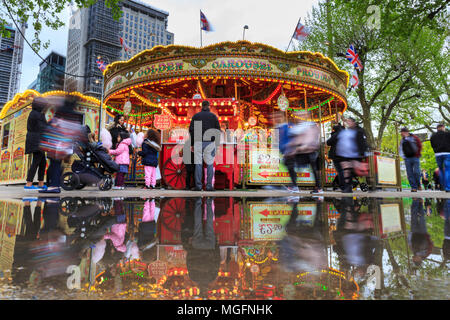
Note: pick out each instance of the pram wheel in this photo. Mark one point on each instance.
(80, 186)
(364, 187)
(105, 184)
(70, 181)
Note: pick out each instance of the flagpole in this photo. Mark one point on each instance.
(201, 40)
(293, 35)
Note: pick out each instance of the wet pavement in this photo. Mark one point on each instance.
(279, 248)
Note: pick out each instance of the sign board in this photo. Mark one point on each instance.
(390, 218)
(387, 173)
(266, 167)
(162, 122)
(157, 269)
(269, 220)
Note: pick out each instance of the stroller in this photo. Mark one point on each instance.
(94, 167)
(356, 182)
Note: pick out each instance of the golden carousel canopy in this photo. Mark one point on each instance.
(261, 78)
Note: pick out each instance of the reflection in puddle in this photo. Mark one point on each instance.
(224, 248)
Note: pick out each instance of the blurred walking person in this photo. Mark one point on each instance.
(36, 124)
(332, 142)
(410, 151)
(351, 148)
(440, 142)
(58, 138)
(303, 149)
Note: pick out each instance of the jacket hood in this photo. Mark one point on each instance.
(127, 141)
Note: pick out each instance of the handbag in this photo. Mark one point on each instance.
(361, 168)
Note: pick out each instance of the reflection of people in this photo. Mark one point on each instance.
(36, 124)
(425, 179)
(355, 243)
(203, 255)
(446, 244)
(303, 248)
(420, 240)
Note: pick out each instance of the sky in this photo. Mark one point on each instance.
(269, 22)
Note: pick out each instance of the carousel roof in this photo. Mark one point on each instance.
(252, 73)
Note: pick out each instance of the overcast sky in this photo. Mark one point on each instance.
(270, 22)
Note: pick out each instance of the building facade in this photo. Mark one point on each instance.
(11, 56)
(94, 33)
(51, 73)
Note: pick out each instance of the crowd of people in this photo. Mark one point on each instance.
(299, 143)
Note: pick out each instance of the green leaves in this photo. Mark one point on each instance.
(405, 75)
(45, 13)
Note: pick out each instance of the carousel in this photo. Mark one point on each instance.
(245, 83)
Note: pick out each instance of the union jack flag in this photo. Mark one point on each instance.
(301, 32)
(353, 57)
(204, 23)
(354, 81)
(101, 64)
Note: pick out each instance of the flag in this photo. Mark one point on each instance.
(101, 64)
(8, 48)
(353, 57)
(124, 45)
(204, 23)
(301, 32)
(354, 81)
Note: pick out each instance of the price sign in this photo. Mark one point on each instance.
(162, 122)
(157, 269)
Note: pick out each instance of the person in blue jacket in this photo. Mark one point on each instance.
(149, 153)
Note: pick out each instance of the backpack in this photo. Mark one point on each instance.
(409, 148)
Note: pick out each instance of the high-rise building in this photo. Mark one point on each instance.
(11, 55)
(93, 32)
(51, 73)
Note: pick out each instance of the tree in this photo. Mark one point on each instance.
(388, 85)
(41, 13)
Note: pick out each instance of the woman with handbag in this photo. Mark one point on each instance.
(350, 151)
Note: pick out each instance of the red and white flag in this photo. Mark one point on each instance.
(301, 32)
(124, 45)
(354, 81)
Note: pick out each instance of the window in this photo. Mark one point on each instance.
(136, 19)
(140, 20)
(126, 22)
(126, 29)
(131, 17)
(153, 38)
(135, 45)
(5, 138)
(140, 33)
(145, 28)
(135, 32)
(139, 47)
(127, 14)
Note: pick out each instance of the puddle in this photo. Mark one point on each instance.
(292, 248)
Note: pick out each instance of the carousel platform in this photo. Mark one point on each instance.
(17, 191)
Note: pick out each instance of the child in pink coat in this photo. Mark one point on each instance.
(122, 158)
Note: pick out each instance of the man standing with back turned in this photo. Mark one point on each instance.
(205, 134)
(440, 141)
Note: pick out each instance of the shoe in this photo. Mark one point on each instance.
(44, 187)
(29, 199)
(413, 190)
(293, 189)
(31, 188)
(198, 189)
(347, 190)
(317, 191)
(210, 189)
(117, 188)
(52, 190)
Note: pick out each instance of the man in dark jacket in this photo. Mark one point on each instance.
(440, 142)
(410, 151)
(205, 134)
(36, 123)
(332, 142)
